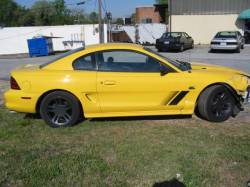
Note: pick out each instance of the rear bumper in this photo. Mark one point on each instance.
(18, 101)
(163, 46)
(220, 47)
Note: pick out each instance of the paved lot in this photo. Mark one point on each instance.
(199, 54)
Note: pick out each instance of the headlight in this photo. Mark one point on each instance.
(240, 82)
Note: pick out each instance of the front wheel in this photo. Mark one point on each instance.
(60, 109)
(216, 104)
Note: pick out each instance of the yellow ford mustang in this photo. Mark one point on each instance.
(113, 80)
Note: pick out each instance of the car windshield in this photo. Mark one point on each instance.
(171, 35)
(226, 35)
(62, 56)
(183, 66)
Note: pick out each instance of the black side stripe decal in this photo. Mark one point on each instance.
(179, 97)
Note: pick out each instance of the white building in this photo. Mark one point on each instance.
(13, 40)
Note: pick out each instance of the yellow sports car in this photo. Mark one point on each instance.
(114, 80)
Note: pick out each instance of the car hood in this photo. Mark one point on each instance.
(216, 68)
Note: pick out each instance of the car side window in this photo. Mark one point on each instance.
(86, 63)
(126, 61)
(186, 35)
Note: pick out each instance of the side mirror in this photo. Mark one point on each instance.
(164, 70)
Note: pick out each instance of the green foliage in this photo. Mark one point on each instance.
(42, 13)
(119, 21)
(162, 1)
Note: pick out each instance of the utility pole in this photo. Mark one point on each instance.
(170, 15)
(101, 33)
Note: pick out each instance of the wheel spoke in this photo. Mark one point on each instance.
(55, 118)
(66, 117)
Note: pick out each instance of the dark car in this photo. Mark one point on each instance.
(174, 41)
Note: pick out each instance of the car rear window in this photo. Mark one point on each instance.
(63, 55)
(226, 35)
(172, 34)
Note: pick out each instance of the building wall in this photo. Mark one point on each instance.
(147, 12)
(209, 7)
(204, 27)
(13, 40)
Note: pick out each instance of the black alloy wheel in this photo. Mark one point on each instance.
(60, 109)
(216, 104)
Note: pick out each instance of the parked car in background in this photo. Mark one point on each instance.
(228, 40)
(174, 41)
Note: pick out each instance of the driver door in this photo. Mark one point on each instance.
(129, 81)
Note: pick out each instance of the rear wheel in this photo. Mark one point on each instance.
(182, 48)
(60, 109)
(192, 45)
(216, 104)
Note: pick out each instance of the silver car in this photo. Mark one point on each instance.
(228, 40)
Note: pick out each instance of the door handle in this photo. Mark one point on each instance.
(109, 83)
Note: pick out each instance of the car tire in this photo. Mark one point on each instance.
(238, 49)
(211, 51)
(60, 109)
(192, 46)
(182, 48)
(216, 104)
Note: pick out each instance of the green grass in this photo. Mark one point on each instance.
(123, 153)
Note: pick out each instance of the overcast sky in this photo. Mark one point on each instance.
(119, 8)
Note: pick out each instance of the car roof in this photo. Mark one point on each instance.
(114, 45)
(228, 31)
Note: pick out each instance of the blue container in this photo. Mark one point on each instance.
(42, 46)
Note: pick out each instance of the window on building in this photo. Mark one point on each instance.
(146, 20)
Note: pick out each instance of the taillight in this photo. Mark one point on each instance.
(13, 84)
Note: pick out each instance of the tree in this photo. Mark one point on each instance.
(161, 1)
(119, 21)
(43, 12)
(61, 13)
(165, 2)
(10, 12)
(133, 18)
(93, 17)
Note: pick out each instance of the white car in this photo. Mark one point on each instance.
(228, 40)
